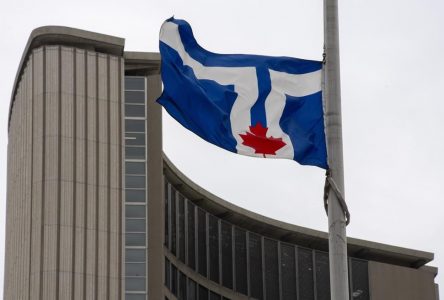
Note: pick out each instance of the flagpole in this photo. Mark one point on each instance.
(336, 215)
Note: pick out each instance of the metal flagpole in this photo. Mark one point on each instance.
(336, 211)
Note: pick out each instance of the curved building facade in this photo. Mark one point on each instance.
(96, 211)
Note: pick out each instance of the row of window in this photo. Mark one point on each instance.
(246, 262)
(185, 288)
(135, 189)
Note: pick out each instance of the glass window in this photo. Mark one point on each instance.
(135, 168)
(255, 255)
(359, 282)
(137, 97)
(227, 255)
(135, 239)
(135, 283)
(134, 83)
(288, 272)
(135, 195)
(173, 279)
(191, 236)
(135, 269)
(271, 269)
(134, 182)
(202, 242)
(322, 276)
(135, 225)
(214, 296)
(135, 297)
(203, 293)
(167, 274)
(135, 255)
(134, 110)
(182, 286)
(191, 290)
(167, 215)
(134, 125)
(181, 232)
(213, 245)
(305, 274)
(135, 152)
(240, 259)
(135, 139)
(173, 220)
(135, 211)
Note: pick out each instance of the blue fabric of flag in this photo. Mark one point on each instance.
(231, 100)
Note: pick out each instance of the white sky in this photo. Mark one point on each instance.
(393, 110)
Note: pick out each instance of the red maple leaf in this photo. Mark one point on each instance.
(258, 140)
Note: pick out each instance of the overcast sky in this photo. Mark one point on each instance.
(392, 98)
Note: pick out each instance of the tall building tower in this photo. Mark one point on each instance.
(96, 211)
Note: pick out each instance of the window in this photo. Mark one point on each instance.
(240, 259)
(135, 188)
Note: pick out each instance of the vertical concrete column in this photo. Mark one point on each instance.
(64, 177)
(156, 204)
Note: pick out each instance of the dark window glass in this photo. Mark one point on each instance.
(135, 152)
(135, 239)
(135, 283)
(288, 272)
(135, 225)
(223, 298)
(191, 236)
(135, 255)
(214, 296)
(213, 244)
(137, 97)
(203, 293)
(271, 269)
(134, 182)
(134, 83)
(167, 279)
(135, 168)
(181, 233)
(359, 273)
(167, 215)
(135, 195)
(227, 255)
(202, 242)
(135, 139)
(135, 269)
(182, 286)
(173, 220)
(255, 255)
(135, 211)
(240, 260)
(305, 274)
(322, 276)
(135, 297)
(134, 110)
(174, 280)
(135, 125)
(191, 290)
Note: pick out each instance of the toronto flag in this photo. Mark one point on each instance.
(248, 104)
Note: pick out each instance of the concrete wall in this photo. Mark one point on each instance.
(400, 283)
(64, 206)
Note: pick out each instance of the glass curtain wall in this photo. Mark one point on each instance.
(135, 188)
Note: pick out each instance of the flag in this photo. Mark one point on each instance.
(248, 104)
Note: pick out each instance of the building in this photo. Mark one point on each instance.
(96, 211)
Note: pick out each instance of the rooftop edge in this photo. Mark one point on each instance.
(62, 35)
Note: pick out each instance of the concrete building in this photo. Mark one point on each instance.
(96, 211)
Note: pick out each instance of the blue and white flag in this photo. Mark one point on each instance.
(248, 104)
